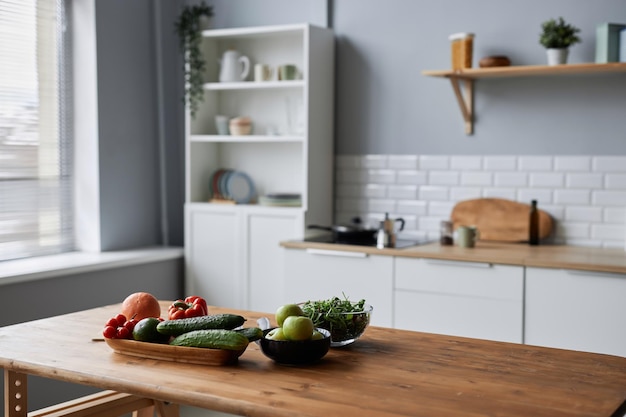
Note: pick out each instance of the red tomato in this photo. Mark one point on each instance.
(123, 333)
(109, 332)
(121, 319)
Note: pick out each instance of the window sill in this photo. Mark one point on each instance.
(44, 267)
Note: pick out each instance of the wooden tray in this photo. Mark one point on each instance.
(200, 356)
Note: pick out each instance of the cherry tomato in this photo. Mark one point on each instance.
(123, 333)
(130, 324)
(112, 322)
(109, 332)
(121, 319)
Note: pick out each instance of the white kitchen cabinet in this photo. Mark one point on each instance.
(470, 299)
(577, 310)
(312, 274)
(233, 254)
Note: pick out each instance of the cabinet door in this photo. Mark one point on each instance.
(576, 310)
(320, 274)
(266, 273)
(467, 299)
(212, 256)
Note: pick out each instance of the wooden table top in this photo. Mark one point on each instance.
(610, 260)
(386, 373)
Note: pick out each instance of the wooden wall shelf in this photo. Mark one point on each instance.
(464, 79)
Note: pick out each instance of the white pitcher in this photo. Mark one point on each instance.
(235, 67)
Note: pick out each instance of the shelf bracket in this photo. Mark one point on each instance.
(465, 99)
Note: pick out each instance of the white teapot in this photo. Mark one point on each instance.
(235, 67)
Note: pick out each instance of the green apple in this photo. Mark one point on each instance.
(317, 335)
(275, 334)
(287, 310)
(298, 328)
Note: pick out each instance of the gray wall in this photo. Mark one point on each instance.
(385, 105)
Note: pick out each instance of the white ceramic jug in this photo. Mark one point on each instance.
(235, 67)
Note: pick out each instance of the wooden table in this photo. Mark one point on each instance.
(386, 373)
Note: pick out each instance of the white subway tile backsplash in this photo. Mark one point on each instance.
(534, 163)
(615, 215)
(433, 193)
(569, 230)
(584, 180)
(546, 180)
(477, 178)
(411, 177)
(350, 204)
(511, 179)
(402, 161)
(428, 162)
(607, 231)
(440, 209)
(583, 214)
(615, 181)
(572, 163)
(506, 193)
(350, 176)
(417, 208)
(609, 198)
(500, 163)
(382, 206)
(466, 162)
(609, 163)
(348, 190)
(443, 178)
(374, 191)
(381, 176)
(374, 161)
(525, 195)
(465, 193)
(585, 195)
(572, 197)
(403, 192)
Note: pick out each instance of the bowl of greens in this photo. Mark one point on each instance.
(345, 320)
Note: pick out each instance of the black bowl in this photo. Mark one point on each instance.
(295, 352)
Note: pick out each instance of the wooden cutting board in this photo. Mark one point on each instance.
(499, 219)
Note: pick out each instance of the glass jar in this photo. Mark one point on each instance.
(462, 48)
(446, 234)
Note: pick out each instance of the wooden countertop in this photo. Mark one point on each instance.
(544, 256)
(387, 373)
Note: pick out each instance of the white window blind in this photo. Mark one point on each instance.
(35, 129)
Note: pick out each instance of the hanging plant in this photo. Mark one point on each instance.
(188, 28)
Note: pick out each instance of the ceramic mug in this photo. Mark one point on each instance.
(221, 124)
(262, 72)
(466, 236)
(287, 72)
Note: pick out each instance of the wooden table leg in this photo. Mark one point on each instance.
(15, 394)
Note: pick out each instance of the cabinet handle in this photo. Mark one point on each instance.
(458, 263)
(341, 253)
(599, 274)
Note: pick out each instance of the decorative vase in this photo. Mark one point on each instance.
(557, 56)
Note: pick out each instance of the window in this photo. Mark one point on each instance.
(36, 215)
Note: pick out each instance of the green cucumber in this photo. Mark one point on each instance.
(212, 339)
(252, 333)
(215, 321)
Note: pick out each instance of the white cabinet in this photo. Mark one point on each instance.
(468, 299)
(577, 310)
(232, 250)
(312, 274)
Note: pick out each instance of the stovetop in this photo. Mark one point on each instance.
(400, 243)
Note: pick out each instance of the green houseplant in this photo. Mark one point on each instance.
(557, 36)
(188, 27)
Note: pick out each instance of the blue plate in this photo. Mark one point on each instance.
(240, 188)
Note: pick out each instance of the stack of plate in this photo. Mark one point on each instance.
(232, 185)
(281, 199)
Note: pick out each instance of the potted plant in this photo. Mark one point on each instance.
(557, 36)
(189, 27)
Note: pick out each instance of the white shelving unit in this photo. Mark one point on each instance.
(232, 251)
